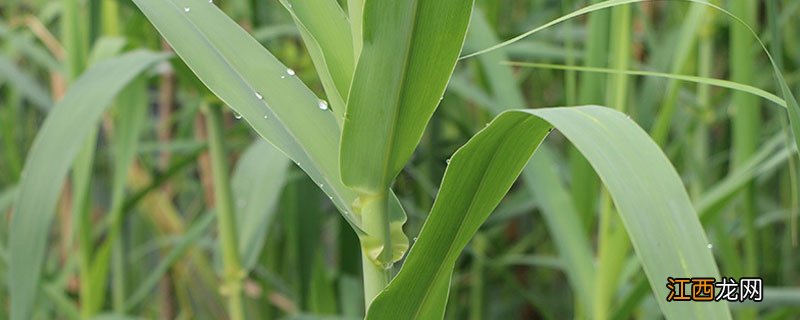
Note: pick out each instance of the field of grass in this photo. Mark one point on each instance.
(398, 159)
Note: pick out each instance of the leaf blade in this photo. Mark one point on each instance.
(512, 137)
(60, 137)
(397, 85)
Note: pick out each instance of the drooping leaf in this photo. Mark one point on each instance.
(655, 209)
(792, 107)
(55, 147)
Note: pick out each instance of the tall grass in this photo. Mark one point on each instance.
(147, 148)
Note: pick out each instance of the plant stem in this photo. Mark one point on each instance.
(233, 272)
(377, 268)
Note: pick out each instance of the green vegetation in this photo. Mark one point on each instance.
(397, 159)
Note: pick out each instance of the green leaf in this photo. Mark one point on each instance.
(56, 145)
(410, 48)
(654, 207)
(257, 184)
(184, 243)
(709, 81)
(792, 107)
(543, 183)
(252, 82)
(28, 86)
(326, 33)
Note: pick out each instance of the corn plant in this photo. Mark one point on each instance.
(384, 67)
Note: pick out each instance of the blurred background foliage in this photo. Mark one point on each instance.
(731, 149)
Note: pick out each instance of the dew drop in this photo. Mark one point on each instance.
(323, 105)
(237, 116)
(710, 246)
(187, 9)
(290, 72)
(266, 116)
(210, 1)
(415, 239)
(259, 96)
(447, 161)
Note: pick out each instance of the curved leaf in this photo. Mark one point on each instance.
(653, 204)
(398, 84)
(57, 144)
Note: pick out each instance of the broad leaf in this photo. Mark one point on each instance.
(653, 204)
(56, 145)
(276, 104)
(410, 48)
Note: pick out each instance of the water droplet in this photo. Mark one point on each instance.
(710, 246)
(321, 185)
(266, 116)
(323, 105)
(187, 9)
(447, 161)
(290, 72)
(210, 1)
(259, 96)
(237, 116)
(415, 239)
(441, 98)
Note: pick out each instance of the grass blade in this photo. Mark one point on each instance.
(48, 161)
(25, 84)
(668, 239)
(257, 185)
(793, 109)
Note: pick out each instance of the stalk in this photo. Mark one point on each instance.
(613, 242)
(585, 183)
(377, 270)
(232, 268)
(479, 244)
(746, 121)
